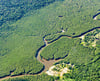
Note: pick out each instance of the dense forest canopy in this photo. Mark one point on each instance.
(12, 10)
(68, 30)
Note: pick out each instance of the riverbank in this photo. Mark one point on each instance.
(45, 62)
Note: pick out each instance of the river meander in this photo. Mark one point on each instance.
(47, 63)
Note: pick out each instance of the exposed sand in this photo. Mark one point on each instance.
(58, 73)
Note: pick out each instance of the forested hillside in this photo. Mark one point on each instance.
(65, 30)
(12, 10)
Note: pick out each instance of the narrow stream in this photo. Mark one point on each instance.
(46, 63)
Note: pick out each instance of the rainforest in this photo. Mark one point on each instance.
(49, 40)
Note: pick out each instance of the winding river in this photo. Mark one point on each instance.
(46, 63)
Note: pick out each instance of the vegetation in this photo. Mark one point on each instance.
(19, 42)
(85, 59)
(68, 79)
(21, 35)
(20, 59)
(91, 38)
(68, 47)
(77, 18)
(42, 77)
(98, 17)
(13, 10)
(59, 67)
(58, 49)
(89, 72)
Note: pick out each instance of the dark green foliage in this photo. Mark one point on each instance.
(84, 58)
(80, 55)
(92, 37)
(13, 10)
(20, 40)
(58, 49)
(42, 77)
(89, 72)
(98, 17)
(20, 59)
(97, 48)
(98, 44)
(77, 53)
